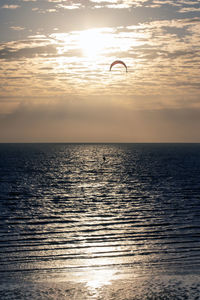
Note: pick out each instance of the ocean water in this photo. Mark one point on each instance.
(100, 221)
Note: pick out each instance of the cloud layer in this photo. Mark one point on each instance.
(62, 76)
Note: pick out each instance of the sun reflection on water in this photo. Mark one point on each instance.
(98, 278)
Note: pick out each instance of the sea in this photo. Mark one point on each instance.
(100, 221)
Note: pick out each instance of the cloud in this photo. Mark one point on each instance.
(119, 4)
(125, 4)
(58, 85)
(189, 9)
(10, 6)
(177, 3)
(17, 28)
(57, 1)
(72, 6)
(162, 58)
(51, 10)
(13, 54)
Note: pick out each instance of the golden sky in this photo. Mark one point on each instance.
(54, 67)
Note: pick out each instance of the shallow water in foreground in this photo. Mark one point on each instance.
(105, 221)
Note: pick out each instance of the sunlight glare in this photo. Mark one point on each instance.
(100, 278)
(93, 42)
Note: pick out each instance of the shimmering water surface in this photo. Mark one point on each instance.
(87, 215)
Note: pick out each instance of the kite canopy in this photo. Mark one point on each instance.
(118, 62)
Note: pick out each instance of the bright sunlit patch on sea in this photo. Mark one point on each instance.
(98, 278)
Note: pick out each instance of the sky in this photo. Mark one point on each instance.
(55, 83)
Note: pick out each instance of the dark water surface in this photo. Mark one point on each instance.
(75, 219)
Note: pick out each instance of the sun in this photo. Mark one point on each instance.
(93, 42)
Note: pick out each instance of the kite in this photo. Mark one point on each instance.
(118, 62)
